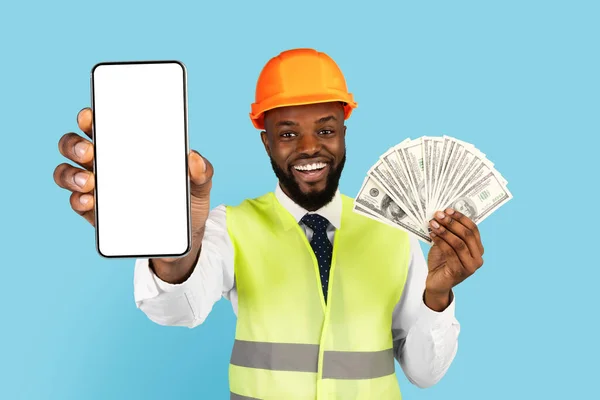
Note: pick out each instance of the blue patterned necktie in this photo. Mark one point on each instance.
(321, 246)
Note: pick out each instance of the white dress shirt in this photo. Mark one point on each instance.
(425, 341)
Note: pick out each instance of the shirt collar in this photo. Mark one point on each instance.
(332, 210)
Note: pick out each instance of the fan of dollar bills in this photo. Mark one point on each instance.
(416, 178)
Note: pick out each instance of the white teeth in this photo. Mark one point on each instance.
(310, 167)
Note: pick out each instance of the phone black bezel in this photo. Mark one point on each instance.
(188, 206)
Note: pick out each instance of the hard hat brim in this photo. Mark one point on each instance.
(258, 110)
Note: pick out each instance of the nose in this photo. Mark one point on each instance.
(308, 144)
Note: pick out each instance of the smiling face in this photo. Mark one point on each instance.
(306, 145)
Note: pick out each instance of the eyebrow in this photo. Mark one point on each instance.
(325, 119)
(286, 123)
(293, 123)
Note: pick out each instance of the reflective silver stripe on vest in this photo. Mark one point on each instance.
(276, 356)
(304, 358)
(240, 397)
(358, 364)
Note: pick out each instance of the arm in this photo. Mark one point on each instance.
(172, 291)
(188, 303)
(425, 341)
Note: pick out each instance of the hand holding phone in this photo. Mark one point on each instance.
(141, 232)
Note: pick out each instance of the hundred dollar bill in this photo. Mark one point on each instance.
(482, 167)
(447, 154)
(428, 168)
(481, 199)
(402, 184)
(363, 210)
(459, 158)
(442, 160)
(431, 150)
(384, 178)
(481, 155)
(438, 154)
(452, 168)
(437, 145)
(373, 202)
(410, 156)
(465, 164)
(455, 172)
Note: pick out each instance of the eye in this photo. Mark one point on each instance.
(325, 132)
(287, 134)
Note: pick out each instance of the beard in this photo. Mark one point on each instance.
(313, 200)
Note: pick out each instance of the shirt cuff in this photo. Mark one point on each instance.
(170, 287)
(434, 320)
(148, 285)
(144, 286)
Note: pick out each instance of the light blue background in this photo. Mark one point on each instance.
(519, 79)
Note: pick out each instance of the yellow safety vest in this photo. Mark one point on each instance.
(289, 343)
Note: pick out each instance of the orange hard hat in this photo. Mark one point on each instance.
(297, 77)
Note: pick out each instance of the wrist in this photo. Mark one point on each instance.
(176, 271)
(437, 301)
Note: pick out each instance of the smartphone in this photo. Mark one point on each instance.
(141, 159)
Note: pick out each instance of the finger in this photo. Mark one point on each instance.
(457, 228)
(201, 173)
(83, 204)
(452, 268)
(468, 222)
(74, 179)
(457, 244)
(77, 149)
(84, 120)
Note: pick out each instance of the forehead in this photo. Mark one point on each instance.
(302, 114)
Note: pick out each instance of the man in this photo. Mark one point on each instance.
(465, 206)
(326, 299)
(392, 210)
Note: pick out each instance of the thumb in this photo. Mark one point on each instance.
(201, 173)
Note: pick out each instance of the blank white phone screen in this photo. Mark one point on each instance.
(140, 138)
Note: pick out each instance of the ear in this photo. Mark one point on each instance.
(265, 139)
(344, 132)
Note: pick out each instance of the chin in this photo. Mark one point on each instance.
(309, 195)
(313, 189)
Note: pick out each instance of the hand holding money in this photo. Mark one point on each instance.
(417, 177)
(438, 189)
(456, 255)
